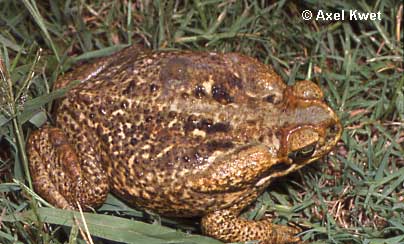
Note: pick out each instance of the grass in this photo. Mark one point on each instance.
(354, 195)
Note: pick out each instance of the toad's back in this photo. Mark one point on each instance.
(163, 117)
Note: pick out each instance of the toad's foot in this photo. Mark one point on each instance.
(65, 175)
(226, 226)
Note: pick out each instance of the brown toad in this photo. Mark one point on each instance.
(183, 134)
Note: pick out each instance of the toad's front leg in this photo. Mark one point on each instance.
(65, 175)
(227, 226)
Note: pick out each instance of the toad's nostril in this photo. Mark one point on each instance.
(333, 129)
(333, 132)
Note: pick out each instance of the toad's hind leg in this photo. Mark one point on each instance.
(65, 175)
(226, 226)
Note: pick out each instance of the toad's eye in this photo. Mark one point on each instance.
(303, 153)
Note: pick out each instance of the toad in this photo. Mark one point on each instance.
(181, 133)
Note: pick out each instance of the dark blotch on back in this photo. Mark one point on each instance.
(220, 94)
(206, 125)
(218, 127)
(130, 88)
(184, 95)
(210, 127)
(191, 123)
(124, 104)
(199, 91)
(86, 99)
(219, 145)
(153, 87)
(172, 115)
(133, 141)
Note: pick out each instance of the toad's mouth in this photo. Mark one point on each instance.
(274, 171)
